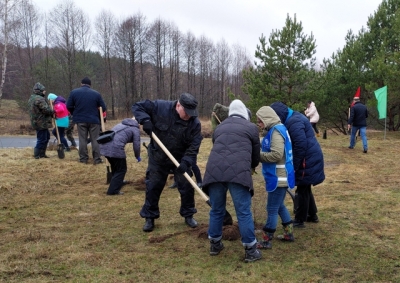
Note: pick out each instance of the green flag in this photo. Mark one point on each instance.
(381, 96)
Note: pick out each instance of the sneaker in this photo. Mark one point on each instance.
(252, 254)
(98, 162)
(67, 149)
(351, 147)
(216, 247)
(298, 224)
(313, 218)
(365, 151)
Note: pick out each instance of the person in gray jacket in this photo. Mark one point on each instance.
(234, 155)
(125, 132)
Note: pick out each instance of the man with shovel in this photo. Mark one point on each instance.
(176, 125)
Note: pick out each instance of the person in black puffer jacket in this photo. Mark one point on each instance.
(176, 125)
(308, 162)
(235, 152)
(358, 122)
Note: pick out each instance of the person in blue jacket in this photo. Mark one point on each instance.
(83, 104)
(277, 168)
(308, 162)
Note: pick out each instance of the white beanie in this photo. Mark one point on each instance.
(238, 108)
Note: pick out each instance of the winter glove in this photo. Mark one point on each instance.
(138, 159)
(148, 127)
(183, 167)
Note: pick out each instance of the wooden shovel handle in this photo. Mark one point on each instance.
(166, 151)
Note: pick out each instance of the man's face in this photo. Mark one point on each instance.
(181, 112)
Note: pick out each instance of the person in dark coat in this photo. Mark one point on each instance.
(358, 121)
(83, 104)
(125, 132)
(308, 162)
(176, 124)
(234, 155)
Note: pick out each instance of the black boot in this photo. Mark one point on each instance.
(36, 153)
(149, 225)
(43, 153)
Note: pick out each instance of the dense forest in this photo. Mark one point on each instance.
(133, 59)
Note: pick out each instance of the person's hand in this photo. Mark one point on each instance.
(138, 159)
(183, 167)
(253, 171)
(348, 127)
(148, 127)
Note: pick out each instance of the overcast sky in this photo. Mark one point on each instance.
(243, 21)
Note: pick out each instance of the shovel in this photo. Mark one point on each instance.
(109, 173)
(228, 218)
(60, 146)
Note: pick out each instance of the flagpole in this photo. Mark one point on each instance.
(384, 137)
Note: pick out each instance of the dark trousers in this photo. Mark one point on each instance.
(61, 131)
(93, 130)
(43, 137)
(314, 125)
(156, 177)
(197, 173)
(69, 131)
(306, 203)
(118, 168)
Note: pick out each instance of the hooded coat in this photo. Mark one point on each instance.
(308, 160)
(312, 113)
(235, 151)
(40, 112)
(125, 132)
(277, 154)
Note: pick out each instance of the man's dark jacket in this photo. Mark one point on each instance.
(181, 138)
(308, 160)
(83, 103)
(358, 115)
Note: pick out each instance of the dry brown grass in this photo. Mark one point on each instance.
(57, 224)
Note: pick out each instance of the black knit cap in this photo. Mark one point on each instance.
(86, 81)
(189, 103)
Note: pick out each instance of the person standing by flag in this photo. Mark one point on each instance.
(358, 121)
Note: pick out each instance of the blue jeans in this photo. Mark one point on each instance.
(43, 137)
(62, 135)
(242, 201)
(276, 206)
(363, 132)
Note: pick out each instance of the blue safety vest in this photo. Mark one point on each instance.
(269, 169)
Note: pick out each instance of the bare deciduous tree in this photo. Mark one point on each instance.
(69, 36)
(7, 20)
(105, 25)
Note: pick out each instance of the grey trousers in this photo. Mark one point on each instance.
(93, 130)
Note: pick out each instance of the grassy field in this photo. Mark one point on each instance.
(58, 225)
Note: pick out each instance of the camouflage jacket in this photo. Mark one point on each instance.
(40, 112)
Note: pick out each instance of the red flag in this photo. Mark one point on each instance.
(358, 92)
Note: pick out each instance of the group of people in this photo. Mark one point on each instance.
(289, 152)
(82, 105)
(81, 109)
